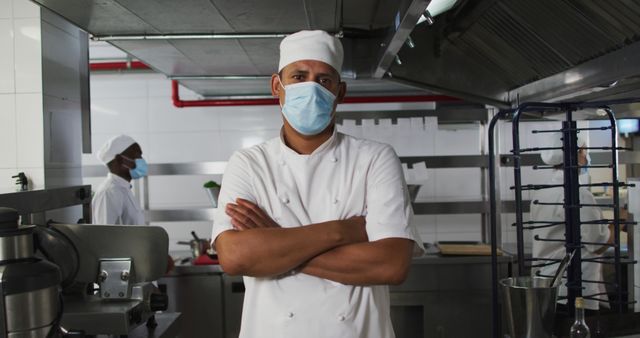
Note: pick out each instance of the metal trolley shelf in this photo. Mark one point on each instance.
(571, 202)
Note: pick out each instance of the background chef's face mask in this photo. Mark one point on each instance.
(307, 107)
(141, 169)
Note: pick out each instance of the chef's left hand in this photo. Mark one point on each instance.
(246, 215)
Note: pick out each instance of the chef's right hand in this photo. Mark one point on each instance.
(246, 215)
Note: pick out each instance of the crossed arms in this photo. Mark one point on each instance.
(336, 250)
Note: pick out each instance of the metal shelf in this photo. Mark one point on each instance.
(33, 204)
(420, 208)
(446, 113)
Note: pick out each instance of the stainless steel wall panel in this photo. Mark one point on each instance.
(65, 98)
(60, 63)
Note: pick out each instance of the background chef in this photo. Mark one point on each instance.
(113, 202)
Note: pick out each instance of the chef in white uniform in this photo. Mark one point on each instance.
(113, 202)
(318, 222)
(555, 213)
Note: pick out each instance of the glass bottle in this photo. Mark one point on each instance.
(579, 329)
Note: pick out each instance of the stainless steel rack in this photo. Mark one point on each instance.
(571, 204)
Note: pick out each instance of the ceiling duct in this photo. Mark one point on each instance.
(496, 52)
(502, 51)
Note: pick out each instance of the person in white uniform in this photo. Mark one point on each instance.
(316, 221)
(113, 202)
(600, 233)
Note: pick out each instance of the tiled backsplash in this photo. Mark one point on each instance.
(21, 118)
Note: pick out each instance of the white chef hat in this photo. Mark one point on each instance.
(556, 156)
(114, 146)
(311, 45)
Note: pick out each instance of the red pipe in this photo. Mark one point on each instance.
(175, 96)
(117, 65)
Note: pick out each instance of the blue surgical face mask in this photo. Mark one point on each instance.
(308, 107)
(141, 169)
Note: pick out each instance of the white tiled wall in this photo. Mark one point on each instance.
(24, 9)
(28, 55)
(7, 80)
(21, 144)
(140, 105)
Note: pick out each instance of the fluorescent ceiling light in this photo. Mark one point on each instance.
(435, 8)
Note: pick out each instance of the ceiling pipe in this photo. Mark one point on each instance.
(175, 96)
(339, 34)
(175, 92)
(187, 37)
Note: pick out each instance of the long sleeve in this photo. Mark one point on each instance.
(107, 208)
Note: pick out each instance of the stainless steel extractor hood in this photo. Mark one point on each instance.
(495, 52)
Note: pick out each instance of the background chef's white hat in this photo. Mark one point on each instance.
(311, 45)
(114, 146)
(556, 156)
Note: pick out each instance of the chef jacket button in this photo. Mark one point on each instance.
(282, 162)
(341, 318)
(335, 201)
(290, 315)
(285, 200)
(334, 160)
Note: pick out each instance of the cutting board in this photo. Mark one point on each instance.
(466, 250)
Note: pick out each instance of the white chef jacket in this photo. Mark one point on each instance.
(589, 233)
(114, 203)
(344, 177)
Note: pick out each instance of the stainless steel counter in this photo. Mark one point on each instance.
(438, 291)
(188, 269)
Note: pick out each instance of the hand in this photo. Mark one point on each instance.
(246, 215)
(356, 229)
